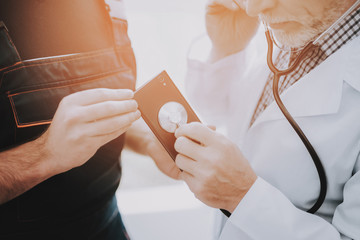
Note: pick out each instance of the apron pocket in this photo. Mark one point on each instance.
(37, 107)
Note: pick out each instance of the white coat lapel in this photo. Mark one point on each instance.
(320, 91)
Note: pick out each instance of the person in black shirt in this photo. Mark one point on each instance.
(67, 74)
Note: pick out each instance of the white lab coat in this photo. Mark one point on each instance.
(326, 105)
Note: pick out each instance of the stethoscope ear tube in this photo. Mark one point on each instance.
(277, 74)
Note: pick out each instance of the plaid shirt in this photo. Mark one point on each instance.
(346, 30)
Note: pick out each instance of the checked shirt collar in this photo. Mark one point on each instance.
(345, 31)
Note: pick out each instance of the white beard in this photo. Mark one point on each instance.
(311, 28)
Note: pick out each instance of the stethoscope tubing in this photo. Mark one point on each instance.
(277, 74)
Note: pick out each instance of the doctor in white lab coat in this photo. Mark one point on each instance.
(326, 104)
(261, 172)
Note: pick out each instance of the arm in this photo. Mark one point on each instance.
(22, 168)
(208, 83)
(83, 122)
(280, 219)
(220, 176)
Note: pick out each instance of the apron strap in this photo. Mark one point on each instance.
(116, 10)
(8, 52)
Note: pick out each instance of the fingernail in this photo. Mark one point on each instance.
(129, 92)
(176, 133)
(137, 114)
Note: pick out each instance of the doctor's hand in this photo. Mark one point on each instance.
(213, 167)
(229, 28)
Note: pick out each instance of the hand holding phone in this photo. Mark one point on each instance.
(164, 109)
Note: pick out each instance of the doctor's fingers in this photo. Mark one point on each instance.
(189, 179)
(197, 132)
(189, 148)
(92, 96)
(106, 109)
(111, 124)
(186, 164)
(194, 185)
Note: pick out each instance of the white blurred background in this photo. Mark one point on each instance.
(154, 206)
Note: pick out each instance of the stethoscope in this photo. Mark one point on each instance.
(279, 73)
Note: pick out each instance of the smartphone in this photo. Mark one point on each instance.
(164, 109)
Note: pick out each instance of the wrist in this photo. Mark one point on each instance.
(238, 198)
(44, 167)
(22, 168)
